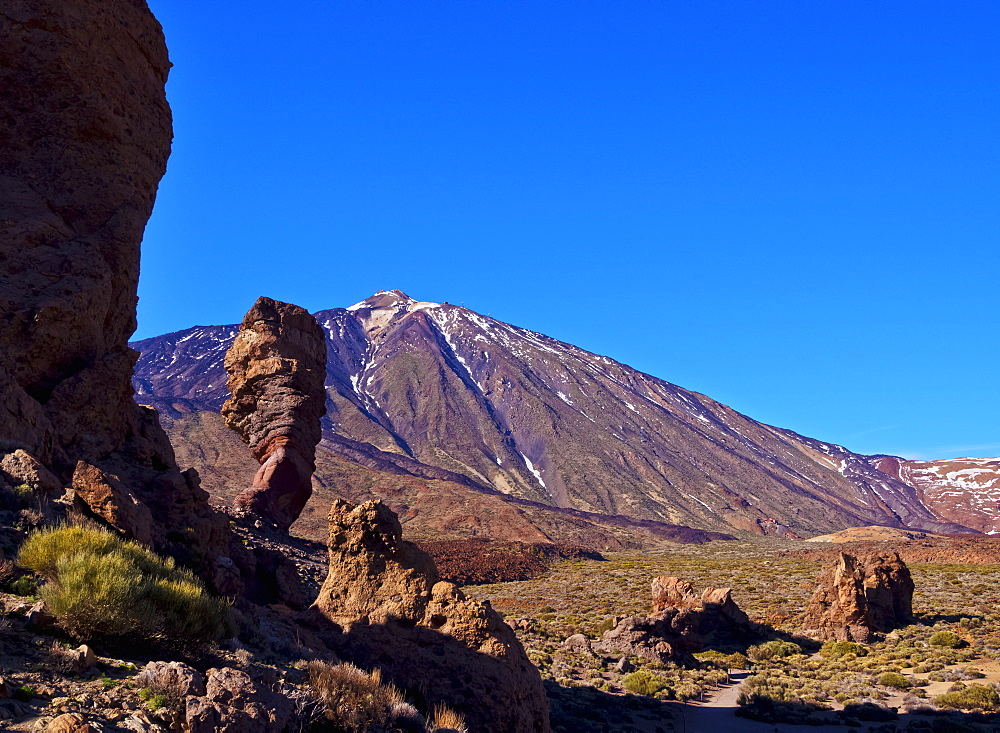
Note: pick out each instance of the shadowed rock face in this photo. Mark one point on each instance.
(395, 613)
(856, 597)
(276, 369)
(85, 132)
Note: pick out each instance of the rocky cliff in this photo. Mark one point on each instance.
(85, 132)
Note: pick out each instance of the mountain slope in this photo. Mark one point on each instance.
(961, 490)
(443, 393)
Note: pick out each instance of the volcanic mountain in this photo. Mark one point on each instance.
(442, 399)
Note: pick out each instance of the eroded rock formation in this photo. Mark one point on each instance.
(277, 367)
(682, 622)
(394, 612)
(85, 132)
(856, 597)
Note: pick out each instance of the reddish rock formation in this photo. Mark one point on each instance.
(856, 597)
(395, 613)
(85, 132)
(682, 622)
(277, 367)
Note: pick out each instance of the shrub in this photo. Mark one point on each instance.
(947, 639)
(838, 649)
(971, 698)
(773, 650)
(102, 586)
(24, 586)
(642, 682)
(894, 680)
(444, 718)
(355, 701)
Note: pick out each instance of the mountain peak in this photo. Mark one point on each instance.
(395, 299)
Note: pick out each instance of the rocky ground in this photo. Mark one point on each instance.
(589, 690)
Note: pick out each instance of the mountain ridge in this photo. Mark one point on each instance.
(444, 393)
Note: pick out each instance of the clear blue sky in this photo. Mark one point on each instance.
(793, 207)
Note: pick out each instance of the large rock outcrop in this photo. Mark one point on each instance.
(394, 612)
(856, 597)
(277, 368)
(682, 622)
(85, 132)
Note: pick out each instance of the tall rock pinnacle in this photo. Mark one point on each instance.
(277, 366)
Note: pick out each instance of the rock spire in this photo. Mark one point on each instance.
(856, 597)
(277, 368)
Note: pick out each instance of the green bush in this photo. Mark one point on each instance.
(773, 650)
(102, 586)
(24, 586)
(948, 639)
(838, 649)
(971, 698)
(642, 682)
(895, 680)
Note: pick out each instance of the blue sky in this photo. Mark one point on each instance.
(791, 207)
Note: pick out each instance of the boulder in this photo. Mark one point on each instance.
(234, 703)
(578, 644)
(70, 723)
(857, 597)
(394, 612)
(277, 370)
(177, 677)
(652, 638)
(20, 467)
(81, 659)
(86, 132)
(101, 494)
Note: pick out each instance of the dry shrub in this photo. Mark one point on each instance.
(356, 701)
(102, 586)
(446, 719)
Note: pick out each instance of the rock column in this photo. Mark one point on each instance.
(277, 369)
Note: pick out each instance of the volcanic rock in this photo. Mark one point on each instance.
(856, 597)
(682, 622)
(276, 368)
(21, 468)
(234, 703)
(85, 132)
(102, 494)
(395, 613)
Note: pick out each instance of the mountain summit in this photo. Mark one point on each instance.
(441, 392)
